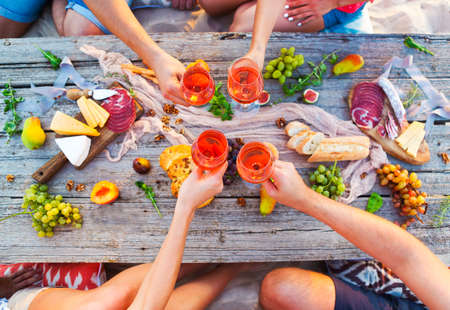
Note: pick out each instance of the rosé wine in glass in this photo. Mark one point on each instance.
(255, 162)
(197, 85)
(245, 83)
(210, 150)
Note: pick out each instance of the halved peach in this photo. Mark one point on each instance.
(104, 192)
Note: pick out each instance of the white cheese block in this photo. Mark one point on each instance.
(75, 148)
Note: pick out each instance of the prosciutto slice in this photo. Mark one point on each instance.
(359, 175)
(367, 104)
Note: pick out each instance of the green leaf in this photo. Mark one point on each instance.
(323, 67)
(374, 203)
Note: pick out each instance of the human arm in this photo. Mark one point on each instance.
(159, 283)
(304, 11)
(118, 18)
(19, 280)
(184, 4)
(267, 12)
(409, 259)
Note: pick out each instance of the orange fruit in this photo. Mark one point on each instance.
(104, 192)
(199, 62)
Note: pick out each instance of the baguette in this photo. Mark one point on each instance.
(310, 143)
(297, 139)
(294, 128)
(341, 148)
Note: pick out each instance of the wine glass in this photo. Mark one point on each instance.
(210, 150)
(245, 84)
(197, 85)
(255, 162)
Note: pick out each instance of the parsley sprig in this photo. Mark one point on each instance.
(219, 106)
(149, 194)
(12, 126)
(314, 78)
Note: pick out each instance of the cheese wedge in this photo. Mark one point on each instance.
(104, 115)
(411, 139)
(95, 114)
(63, 124)
(90, 119)
(76, 149)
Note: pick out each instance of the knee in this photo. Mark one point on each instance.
(210, 7)
(243, 18)
(77, 25)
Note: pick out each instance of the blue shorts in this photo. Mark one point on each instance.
(22, 11)
(352, 297)
(337, 17)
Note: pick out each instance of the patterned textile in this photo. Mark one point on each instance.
(371, 275)
(3, 304)
(80, 276)
(352, 8)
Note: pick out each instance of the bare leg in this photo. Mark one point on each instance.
(294, 288)
(12, 29)
(245, 15)
(117, 293)
(220, 7)
(70, 23)
(200, 292)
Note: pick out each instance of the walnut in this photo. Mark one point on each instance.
(80, 187)
(69, 185)
(165, 119)
(444, 157)
(170, 109)
(158, 138)
(182, 131)
(281, 122)
(363, 175)
(10, 178)
(166, 128)
(241, 201)
(178, 121)
(150, 113)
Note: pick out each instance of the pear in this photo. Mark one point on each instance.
(33, 136)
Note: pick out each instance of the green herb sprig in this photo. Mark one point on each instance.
(413, 94)
(219, 106)
(315, 77)
(149, 194)
(374, 203)
(54, 60)
(12, 126)
(441, 215)
(409, 42)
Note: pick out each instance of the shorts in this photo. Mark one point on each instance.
(21, 300)
(81, 8)
(352, 297)
(22, 11)
(335, 17)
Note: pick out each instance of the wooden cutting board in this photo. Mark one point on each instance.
(98, 144)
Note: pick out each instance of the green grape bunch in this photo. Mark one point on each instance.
(328, 181)
(283, 66)
(49, 211)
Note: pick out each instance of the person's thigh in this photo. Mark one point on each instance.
(294, 288)
(220, 7)
(245, 16)
(17, 15)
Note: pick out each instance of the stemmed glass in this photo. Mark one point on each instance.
(197, 85)
(245, 84)
(255, 162)
(210, 150)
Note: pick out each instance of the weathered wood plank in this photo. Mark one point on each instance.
(222, 232)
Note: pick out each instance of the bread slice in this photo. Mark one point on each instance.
(310, 143)
(172, 153)
(294, 128)
(297, 139)
(391, 147)
(341, 148)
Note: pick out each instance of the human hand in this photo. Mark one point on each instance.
(17, 281)
(257, 56)
(287, 187)
(169, 72)
(199, 187)
(304, 11)
(184, 4)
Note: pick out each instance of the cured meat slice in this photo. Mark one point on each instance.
(121, 109)
(367, 104)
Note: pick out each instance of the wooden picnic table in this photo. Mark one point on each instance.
(130, 230)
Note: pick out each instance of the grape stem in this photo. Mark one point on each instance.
(15, 214)
(332, 174)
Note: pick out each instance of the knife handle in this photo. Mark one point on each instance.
(75, 94)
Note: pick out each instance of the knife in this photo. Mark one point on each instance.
(73, 93)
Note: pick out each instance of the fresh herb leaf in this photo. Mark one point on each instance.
(413, 94)
(132, 93)
(409, 42)
(219, 106)
(441, 215)
(11, 127)
(54, 60)
(333, 58)
(374, 203)
(149, 194)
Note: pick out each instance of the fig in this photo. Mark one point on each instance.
(141, 165)
(310, 96)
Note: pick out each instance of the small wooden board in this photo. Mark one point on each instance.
(98, 144)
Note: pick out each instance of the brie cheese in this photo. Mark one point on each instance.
(76, 148)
